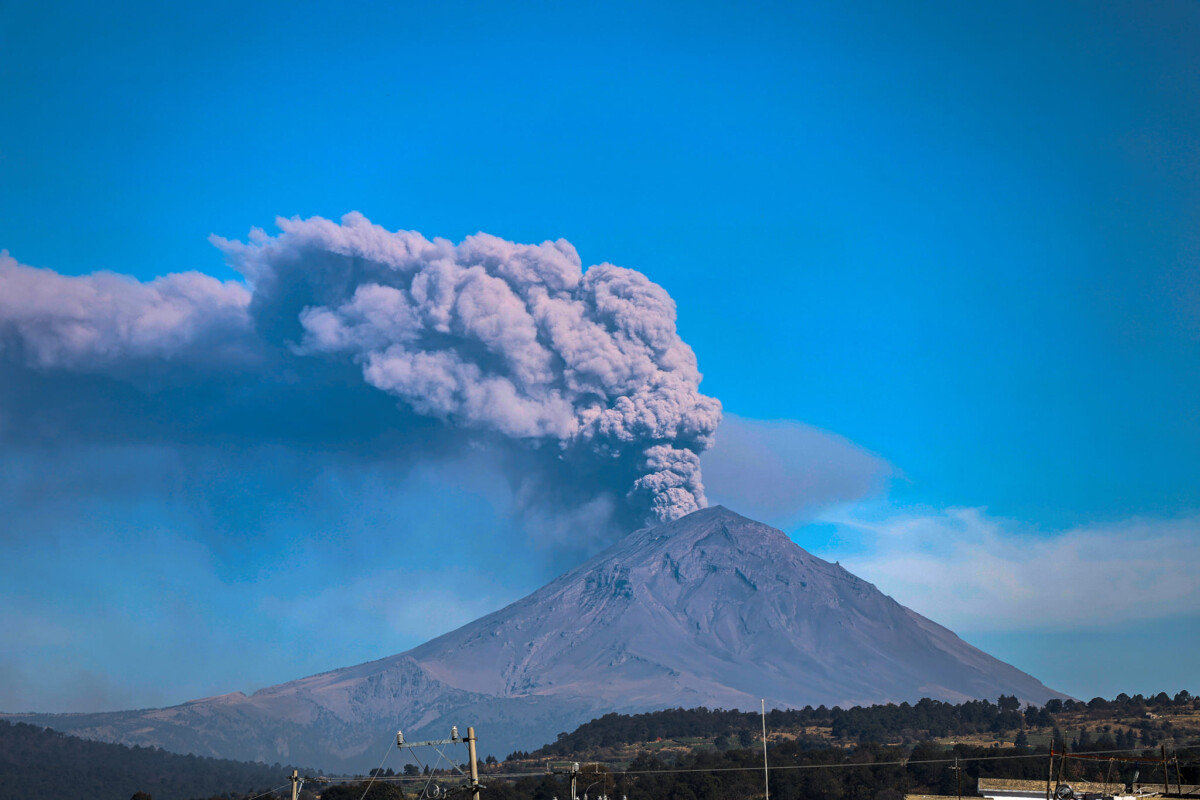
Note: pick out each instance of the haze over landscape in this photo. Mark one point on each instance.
(709, 610)
(333, 339)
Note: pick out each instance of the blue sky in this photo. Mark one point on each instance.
(945, 257)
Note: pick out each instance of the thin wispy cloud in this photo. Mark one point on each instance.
(393, 604)
(784, 472)
(974, 572)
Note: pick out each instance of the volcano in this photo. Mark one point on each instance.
(712, 609)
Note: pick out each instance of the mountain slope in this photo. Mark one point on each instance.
(712, 609)
(719, 610)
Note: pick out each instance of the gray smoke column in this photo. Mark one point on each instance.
(511, 340)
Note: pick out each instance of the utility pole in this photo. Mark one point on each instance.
(958, 776)
(574, 778)
(1050, 772)
(474, 764)
(1166, 775)
(766, 779)
(454, 739)
(296, 784)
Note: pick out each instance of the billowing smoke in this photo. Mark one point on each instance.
(576, 378)
(106, 321)
(515, 340)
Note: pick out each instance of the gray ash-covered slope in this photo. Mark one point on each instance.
(713, 609)
(716, 609)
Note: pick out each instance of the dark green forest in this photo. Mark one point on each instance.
(799, 769)
(1140, 721)
(40, 764)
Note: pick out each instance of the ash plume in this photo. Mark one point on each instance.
(577, 379)
(510, 339)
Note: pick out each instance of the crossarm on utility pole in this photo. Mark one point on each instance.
(403, 744)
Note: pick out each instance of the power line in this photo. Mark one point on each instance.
(780, 767)
(270, 791)
(379, 769)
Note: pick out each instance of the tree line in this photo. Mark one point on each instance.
(904, 722)
(40, 764)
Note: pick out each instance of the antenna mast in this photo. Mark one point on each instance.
(766, 779)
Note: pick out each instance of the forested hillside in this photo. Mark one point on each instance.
(1125, 722)
(872, 753)
(41, 764)
(801, 770)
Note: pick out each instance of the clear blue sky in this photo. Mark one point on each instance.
(964, 238)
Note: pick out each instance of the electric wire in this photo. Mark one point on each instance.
(432, 773)
(428, 782)
(419, 767)
(778, 767)
(379, 769)
(449, 761)
(271, 791)
(425, 789)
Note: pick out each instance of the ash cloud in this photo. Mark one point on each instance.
(355, 336)
(107, 322)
